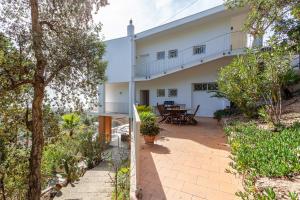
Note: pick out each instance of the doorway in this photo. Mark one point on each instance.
(144, 97)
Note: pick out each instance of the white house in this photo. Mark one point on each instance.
(178, 61)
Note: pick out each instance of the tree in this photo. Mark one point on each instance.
(257, 79)
(280, 16)
(62, 42)
(265, 14)
(239, 82)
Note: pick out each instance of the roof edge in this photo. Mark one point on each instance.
(180, 22)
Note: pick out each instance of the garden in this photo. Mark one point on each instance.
(263, 120)
(71, 147)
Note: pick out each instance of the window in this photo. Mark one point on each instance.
(206, 86)
(200, 86)
(160, 55)
(172, 93)
(160, 92)
(212, 86)
(199, 49)
(173, 53)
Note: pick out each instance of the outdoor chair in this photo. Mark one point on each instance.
(177, 117)
(190, 118)
(162, 112)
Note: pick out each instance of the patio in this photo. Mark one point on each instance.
(188, 162)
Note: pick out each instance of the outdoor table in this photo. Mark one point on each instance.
(174, 113)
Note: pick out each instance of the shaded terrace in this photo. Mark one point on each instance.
(188, 162)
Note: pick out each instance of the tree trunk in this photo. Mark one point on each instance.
(2, 188)
(34, 191)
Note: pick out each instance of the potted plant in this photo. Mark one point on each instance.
(149, 128)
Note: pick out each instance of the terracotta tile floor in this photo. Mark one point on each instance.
(188, 162)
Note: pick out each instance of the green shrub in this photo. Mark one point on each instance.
(143, 108)
(124, 183)
(89, 147)
(14, 169)
(240, 83)
(149, 128)
(258, 77)
(70, 122)
(263, 152)
(62, 157)
(147, 116)
(219, 114)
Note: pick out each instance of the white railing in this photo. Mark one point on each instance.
(134, 155)
(218, 46)
(117, 107)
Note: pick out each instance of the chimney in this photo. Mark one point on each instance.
(130, 29)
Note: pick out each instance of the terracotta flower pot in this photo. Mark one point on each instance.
(149, 139)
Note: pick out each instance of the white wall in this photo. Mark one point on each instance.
(119, 60)
(186, 37)
(116, 97)
(182, 81)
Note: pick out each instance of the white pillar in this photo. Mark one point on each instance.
(101, 93)
(130, 34)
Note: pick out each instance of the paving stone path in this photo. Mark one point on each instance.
(94, 185)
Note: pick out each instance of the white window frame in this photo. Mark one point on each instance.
(169, 92)
(160, 55)
(158, 94)
(173, 53)
(199, 49)
(205, 86)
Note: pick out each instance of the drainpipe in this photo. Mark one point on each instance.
(130, 35)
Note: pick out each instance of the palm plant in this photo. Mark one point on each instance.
(70, 122)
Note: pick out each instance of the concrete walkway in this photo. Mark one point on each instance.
(94, 185)
(188, 162)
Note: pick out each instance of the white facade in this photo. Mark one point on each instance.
(194, 49)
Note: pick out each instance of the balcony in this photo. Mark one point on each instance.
(217, 47)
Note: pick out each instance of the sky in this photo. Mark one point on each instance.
(146, 14)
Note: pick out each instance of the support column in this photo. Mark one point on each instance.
(101, 93)
(130, 34)
(104, 129)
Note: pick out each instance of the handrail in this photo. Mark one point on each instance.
(218, 45)
(201, 43)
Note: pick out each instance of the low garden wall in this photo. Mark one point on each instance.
(134, 155)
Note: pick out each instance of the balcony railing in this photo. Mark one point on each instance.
(117, 107)
(216, 47)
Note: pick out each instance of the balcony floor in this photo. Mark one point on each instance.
(188, 162)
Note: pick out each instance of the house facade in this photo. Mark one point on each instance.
(178, 61)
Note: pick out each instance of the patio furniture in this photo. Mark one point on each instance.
(176, 115)
(190, 118)
(169, 103)
(162, 112)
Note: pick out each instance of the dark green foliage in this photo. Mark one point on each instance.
(263, 152)
(149, 125)
(89, 147)
(147, 116)
(143, 108)
(219, 114)
(14, 171)
(149, 128)
(123, 184)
